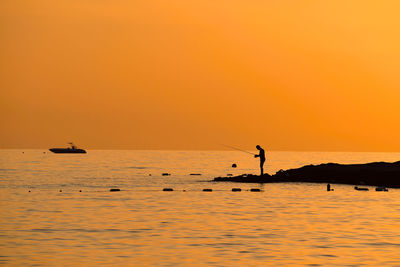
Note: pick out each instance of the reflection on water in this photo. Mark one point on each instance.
(286, 224)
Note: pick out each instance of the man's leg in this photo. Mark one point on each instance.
(262, 167)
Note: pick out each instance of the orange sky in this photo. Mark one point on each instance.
(181, 74)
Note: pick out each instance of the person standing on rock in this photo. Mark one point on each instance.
(261, 155)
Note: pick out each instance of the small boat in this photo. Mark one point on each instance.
(72, 149)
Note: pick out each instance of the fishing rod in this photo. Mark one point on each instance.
(238, 149)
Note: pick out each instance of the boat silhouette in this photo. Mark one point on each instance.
(72, 149)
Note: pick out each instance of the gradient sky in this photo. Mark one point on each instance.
(182, 74)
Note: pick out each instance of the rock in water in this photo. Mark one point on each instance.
(361, 188)
(374, 174)
(168, 189)
(115, 189)
(381, 189)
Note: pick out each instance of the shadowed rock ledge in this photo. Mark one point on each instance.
(376, 174)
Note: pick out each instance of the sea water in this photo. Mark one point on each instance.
(57, 210)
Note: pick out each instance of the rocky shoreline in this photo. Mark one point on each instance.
(374, 174)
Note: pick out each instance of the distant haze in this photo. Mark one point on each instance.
(182, 74)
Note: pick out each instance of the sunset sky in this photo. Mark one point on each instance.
(182, 74)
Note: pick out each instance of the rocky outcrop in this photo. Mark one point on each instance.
(376, 174)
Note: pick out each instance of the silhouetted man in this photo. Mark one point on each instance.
(261, 155)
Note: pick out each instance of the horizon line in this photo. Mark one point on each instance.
(156, 149)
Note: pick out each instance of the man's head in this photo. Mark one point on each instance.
(258, 147)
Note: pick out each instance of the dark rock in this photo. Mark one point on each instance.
(207, 190)
(376, 174)
(168, 189)
(245, 178)
(255, 190)
(234, 165)
(115, 189)
(361, 188)
(236, 189)
(381, 188)
(166, 174)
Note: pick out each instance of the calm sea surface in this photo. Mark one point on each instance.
(288, 224)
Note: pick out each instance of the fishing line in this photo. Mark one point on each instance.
(238, 149)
